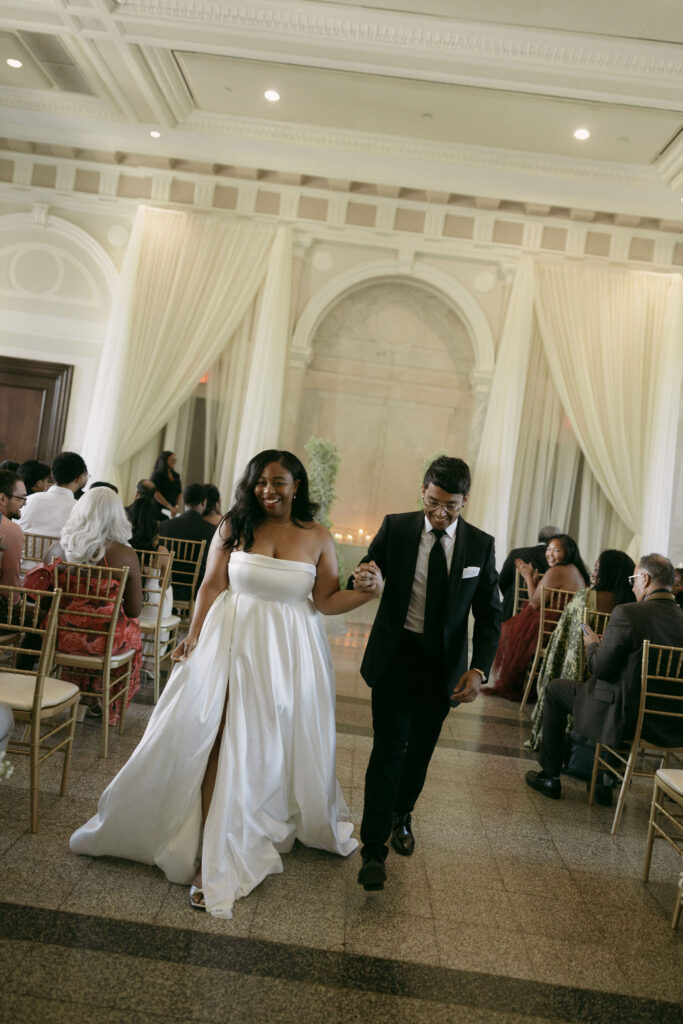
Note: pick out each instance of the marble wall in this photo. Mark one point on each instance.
(389, 385)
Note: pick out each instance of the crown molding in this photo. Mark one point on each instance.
(54, 102)
(384, 32)
(398, 147)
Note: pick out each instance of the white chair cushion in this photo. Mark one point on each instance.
(146, 626)
(673, 777)
(16, 689)
(93, 660)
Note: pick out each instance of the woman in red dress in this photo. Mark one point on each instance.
(519, 634)
(97, 533)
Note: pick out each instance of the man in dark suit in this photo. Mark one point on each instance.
(606, 707)
(436, 568)
(189, 525)
(534, 554)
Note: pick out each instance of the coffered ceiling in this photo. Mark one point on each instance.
(472, 96)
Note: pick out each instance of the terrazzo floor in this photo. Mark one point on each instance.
(513, 908)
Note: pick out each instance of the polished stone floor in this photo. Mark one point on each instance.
(513, 908)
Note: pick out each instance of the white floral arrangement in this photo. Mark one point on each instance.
(6, 768)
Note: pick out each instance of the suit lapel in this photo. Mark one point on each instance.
(411, 546)
(457, 564)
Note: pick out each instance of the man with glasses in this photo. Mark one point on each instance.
(436, 568)
(605, 708)
(12, 499)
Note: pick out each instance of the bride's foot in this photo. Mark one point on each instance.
(197, 901)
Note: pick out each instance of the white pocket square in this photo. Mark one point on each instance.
(470, 571)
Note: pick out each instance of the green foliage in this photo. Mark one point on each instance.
(323, 466)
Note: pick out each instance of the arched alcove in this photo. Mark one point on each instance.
(389, 382)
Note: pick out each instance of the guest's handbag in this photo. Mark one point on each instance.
(41, 577)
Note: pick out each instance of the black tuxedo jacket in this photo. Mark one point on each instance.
(606, 708)
(394, 549)
(506, 581)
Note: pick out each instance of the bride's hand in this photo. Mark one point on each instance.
(184, 648)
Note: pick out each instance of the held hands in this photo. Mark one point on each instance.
(367, 579)
(468, 687)
(184, 648)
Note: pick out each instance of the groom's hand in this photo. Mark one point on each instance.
(468, 687)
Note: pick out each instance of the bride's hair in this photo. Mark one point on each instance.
(245, 512)
(97, 519)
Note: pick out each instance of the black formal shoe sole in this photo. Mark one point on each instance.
(398, 847)
(372, 875)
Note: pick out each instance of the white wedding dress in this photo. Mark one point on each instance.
(264, 640)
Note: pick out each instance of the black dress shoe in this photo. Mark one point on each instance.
(545, 784)
(604, 794)
(402, 838)
(373, 873)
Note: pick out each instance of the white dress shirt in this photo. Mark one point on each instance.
(45, 512)
(416, 609)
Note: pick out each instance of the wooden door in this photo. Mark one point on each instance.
(34, 400)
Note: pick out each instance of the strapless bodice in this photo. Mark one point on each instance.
(270, 579)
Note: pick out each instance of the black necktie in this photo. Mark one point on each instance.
(435, 600)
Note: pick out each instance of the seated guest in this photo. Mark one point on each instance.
(190, 525)
(35, 474)
(46, 512)
(142, 514)
(97, 532)
(535, 555)
(12, 497)
(213, 513)
(519, 634)
(678, 585)
(605, 708)
(167, 486)
(610, 586)
(9, 465)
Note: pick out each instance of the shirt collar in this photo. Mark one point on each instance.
(450, 530)
(62, 490)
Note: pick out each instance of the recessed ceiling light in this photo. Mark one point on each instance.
(155, 135)
(271, 95)
(582, 133)
(14, 63)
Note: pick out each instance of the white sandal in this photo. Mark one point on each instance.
(200, 904)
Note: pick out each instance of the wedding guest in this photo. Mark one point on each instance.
(519, 634)
(212, 513)
(12, 498)
(46, 512)
(35, 474)
(189, 525)
(104, 483)
(167, 485)
(535, 555)
(605, 708)
(9, 465)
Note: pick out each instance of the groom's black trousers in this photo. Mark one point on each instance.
(409, 705)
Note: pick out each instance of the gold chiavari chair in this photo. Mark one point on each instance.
(661, 697)
(159, 631)
(666, 822)
(37, 548)
(91, 605)
(598, 623)
(553, 603)
(187, 561)
(34, 696)
(521, 593)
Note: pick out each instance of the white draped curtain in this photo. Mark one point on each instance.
(189, 285)
(585, 395)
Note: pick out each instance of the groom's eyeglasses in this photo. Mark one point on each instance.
(449, 507)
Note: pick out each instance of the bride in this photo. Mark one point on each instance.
(238, 758)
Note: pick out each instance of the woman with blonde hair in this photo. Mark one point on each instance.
(98, 533)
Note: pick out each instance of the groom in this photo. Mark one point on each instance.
(436, 568)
